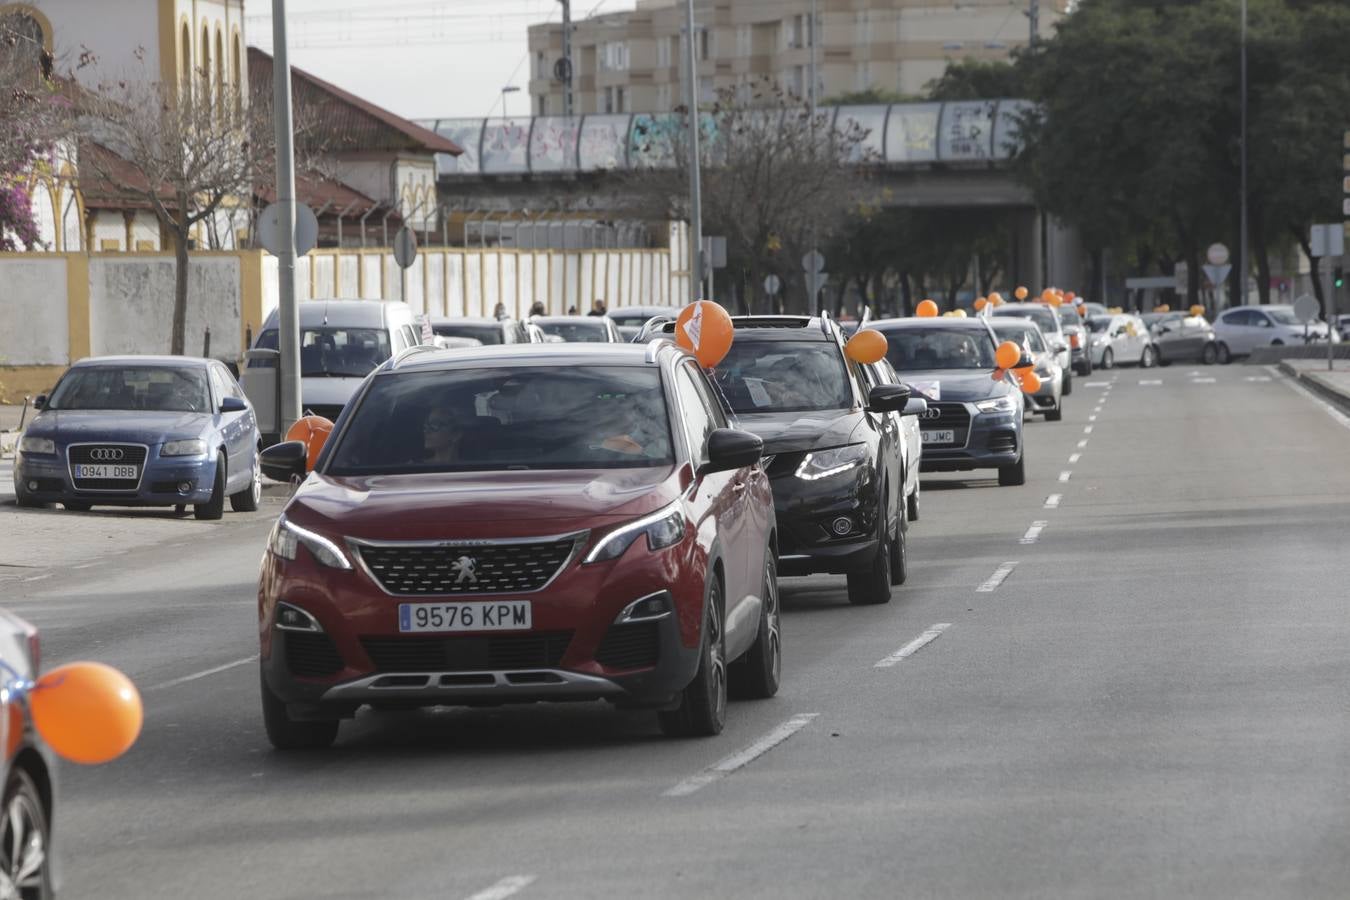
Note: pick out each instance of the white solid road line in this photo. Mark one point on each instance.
(1339, 417)
(507, 887)
(1033, 533)
(1000, 575)
(1052, 502)
(1065, 475)
(913, 646)
(1074, 458)
(742, 759)
(198, 675)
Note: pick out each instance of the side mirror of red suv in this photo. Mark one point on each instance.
(731, 449)
(281, 462)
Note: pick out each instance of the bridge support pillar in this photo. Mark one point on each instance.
(1026, 251)
(1045, 253)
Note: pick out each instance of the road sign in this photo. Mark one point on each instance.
(1217, 255)
(813, 262)
(306, 229)
(715, 252)
(1306, 308)
(772, 284)
(1217, 274)
(1327, 240)
(405, 247)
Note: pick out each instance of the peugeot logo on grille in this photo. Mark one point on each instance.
(107, 454)
(463, 570)
(931, 413)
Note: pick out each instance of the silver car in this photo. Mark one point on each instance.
(1049, 400)
(1242, 329)
(1120, 339)
(1181, 337)
(1048, 319)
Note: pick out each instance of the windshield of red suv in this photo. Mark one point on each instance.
(784, 376)
(483, 420)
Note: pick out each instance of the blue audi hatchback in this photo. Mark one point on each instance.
(142, 431)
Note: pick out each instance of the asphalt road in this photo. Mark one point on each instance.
(1152, 703)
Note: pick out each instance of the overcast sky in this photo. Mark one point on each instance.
(419, 58)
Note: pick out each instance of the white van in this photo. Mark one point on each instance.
(341, 342)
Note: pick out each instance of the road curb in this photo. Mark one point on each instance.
(1318, 386)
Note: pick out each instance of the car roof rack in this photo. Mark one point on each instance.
(408, 352)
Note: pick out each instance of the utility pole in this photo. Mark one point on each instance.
(695, 175)
(1034, 14)
(567, 57)
(1241, 293)
(813, 277)
(288, 314)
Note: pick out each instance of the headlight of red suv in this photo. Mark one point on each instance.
(663, 528)
(287, 537)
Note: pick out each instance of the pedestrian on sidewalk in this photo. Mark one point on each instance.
(599, 308)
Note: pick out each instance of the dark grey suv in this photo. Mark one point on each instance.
(973, 421)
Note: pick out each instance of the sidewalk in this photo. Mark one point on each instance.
(1333, 386)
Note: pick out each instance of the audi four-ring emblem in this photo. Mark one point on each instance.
(931, 413)
(107, 454)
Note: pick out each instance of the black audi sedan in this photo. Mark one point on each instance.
(831, 449)
(973, 421)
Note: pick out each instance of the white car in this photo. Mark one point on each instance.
(1048, 319)
(1049, 400)
(1242, 329)
(1120, 339)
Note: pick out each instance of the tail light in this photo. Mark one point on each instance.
(1073, 341)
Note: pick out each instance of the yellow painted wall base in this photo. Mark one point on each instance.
(17, 382)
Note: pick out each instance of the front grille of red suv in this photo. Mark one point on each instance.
(418, 570)
(479, 653)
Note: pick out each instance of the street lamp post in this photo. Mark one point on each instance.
(509, 89)
(1241, 293)
(288, 313)
(695, 175)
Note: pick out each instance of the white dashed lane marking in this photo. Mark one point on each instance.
(1202, 381)
(1150, 383)
(1052, 502)
(507, 887)
(1098, 384)
(1083, 443)
(1033, 533)
(1257, 378)
(742, 759)
(1087, 430)
(1073, 460)
(1000, 575)
(913, 646)
(1065, 475)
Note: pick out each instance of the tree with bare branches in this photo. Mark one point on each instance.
(774, 176)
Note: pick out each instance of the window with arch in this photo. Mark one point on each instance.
(220, 71)
(186, 55)
(237, 73)
(29, 38)
(206, 65)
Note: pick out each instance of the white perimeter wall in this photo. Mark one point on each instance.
(33, 317)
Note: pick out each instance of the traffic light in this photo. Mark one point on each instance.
(1338, 277)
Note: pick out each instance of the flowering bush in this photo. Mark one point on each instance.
(17, 225)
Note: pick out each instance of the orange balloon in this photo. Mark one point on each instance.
(980, 304)
(87, 712)
(1047, 294)
(1021, 293)
(959, 314)
(996, 298)
(1009, 355)
(1197, 310)
(1070, 296)
(313, 432)
(866, 347)
(1031, 382)
(1082, 311)
(705, 330)
(926, 310)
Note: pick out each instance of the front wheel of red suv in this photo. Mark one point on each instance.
(703, 704)
(287, 734)
(756, 675)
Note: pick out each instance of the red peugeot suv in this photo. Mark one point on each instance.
(517, 524)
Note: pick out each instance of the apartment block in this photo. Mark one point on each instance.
(634, 61)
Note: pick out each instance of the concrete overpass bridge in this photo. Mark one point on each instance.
(925, 155)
